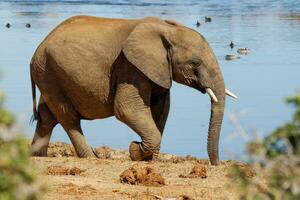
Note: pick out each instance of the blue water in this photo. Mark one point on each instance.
(271, 29)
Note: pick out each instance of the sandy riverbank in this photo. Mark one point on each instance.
(70, 177)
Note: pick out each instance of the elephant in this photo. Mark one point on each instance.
(93, 68)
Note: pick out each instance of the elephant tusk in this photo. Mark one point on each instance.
(231, 94)
(211, 94)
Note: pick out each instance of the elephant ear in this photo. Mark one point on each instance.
(147, 49)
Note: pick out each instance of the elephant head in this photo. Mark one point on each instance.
(166, 51)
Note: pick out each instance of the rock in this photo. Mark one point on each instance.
(60, 149)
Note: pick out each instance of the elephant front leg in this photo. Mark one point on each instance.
(132, 106)
(160, 106)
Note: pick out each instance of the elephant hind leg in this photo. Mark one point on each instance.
(68, 117)
(45, 124)
(78, 140)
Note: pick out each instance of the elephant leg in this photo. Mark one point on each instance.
(67, 116)
(160, 106)
(78, 140)
(132, 106)
(45, 124)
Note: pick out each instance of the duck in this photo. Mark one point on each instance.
(28, 25)
(198, 24)
(231, 44)
(231, 57)
(243, 50)
(207, 19)
(8, 25)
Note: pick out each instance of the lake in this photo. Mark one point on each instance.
(262, 79)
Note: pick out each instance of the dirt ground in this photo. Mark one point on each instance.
(114, 176)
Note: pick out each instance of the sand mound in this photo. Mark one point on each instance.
(59, 170)
(250, 173)
(142, 175)
(199, 170)
(60, 149)
(247, 170)
(168, 158)
(105, 152)
(71, 188)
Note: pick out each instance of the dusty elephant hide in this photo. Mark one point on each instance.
(94, 68)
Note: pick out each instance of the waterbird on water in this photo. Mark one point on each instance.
(244, 51)
(231, 45)
(231, 57)
(8, 25)
(207, 19)
(28, 25)
(198, 24)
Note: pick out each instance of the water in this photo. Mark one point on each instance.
(271, 29)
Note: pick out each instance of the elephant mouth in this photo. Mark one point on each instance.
(202, 90)
(212, 95)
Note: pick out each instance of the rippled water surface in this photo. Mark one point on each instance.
(271, 29)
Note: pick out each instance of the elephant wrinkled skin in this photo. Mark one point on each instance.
(92, 68)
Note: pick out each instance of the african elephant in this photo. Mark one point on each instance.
(91, 68)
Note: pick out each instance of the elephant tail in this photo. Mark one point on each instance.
(35, 115)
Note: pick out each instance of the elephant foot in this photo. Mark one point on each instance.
(38, 150)
(41, 153)
(137, 154)
(87, 153)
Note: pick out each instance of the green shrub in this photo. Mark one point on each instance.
(276, 161)
(17, 179)
(6, 118)
(286, 139)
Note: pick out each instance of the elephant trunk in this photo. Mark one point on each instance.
(216, 117)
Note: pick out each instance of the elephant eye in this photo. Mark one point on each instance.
(195, 62)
